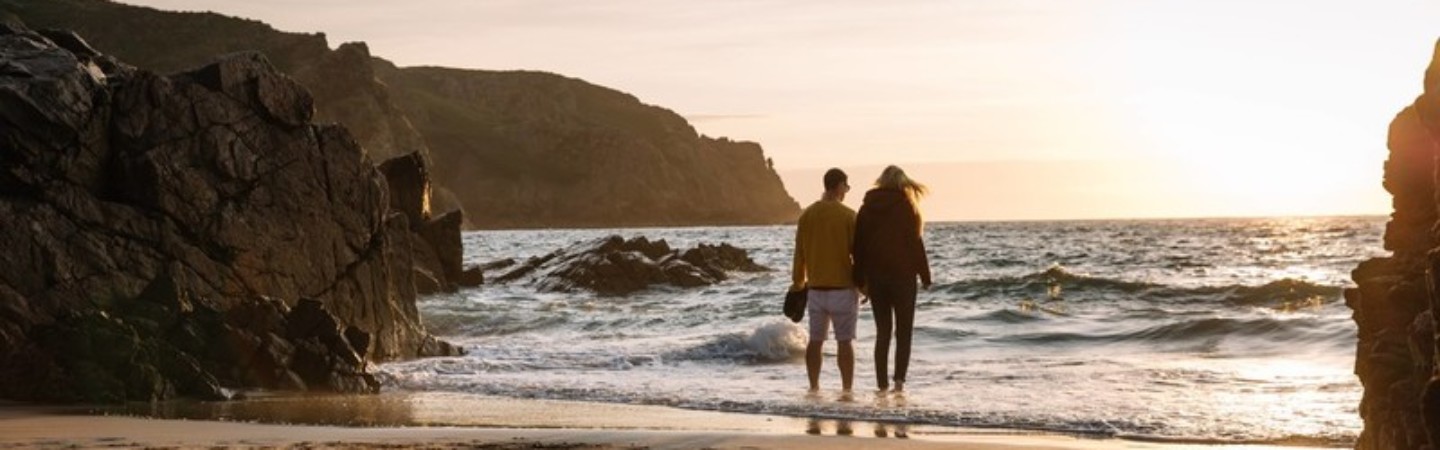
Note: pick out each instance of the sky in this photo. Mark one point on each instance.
(1008, 109)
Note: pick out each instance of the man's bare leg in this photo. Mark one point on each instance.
(847, 364)
(813, 357)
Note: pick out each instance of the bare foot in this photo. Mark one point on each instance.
(899, 386)
(813, 394)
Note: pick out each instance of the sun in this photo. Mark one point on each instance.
(1244, 157)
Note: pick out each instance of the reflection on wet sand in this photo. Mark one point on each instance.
(899, 431)
(339, 410)
(841, 427)
(419, 409)
(463, 410)
(844, 427)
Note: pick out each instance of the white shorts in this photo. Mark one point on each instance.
(841, 306)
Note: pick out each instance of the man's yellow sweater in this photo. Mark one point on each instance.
(822, 246)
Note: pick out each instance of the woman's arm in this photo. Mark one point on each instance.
(857, 249)
(922, 260)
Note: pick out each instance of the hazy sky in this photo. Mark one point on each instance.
(1011, 109)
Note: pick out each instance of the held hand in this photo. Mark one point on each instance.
(925, 285)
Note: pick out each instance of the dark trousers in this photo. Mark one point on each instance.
(894, 305)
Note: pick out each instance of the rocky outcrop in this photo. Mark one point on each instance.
(188, 234)
(435, 241)
(516, 149)
(547, 150)
(341, 81)
(616, 266)
(1396, 295)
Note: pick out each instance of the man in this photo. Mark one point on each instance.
(822, 264)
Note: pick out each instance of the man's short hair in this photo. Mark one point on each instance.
(833, 179)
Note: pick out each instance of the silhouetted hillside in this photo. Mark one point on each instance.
(546, 149)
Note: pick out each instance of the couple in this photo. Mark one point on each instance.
(879, 252)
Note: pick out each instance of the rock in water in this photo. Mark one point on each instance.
(615, 266)
(189, 234)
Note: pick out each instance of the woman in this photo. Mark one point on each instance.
(889, 255)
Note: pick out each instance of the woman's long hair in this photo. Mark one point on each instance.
(894, 178)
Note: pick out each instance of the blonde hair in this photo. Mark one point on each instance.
(894, 178)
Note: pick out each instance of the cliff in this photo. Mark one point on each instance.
(516, 149)
(547, 150)
(194, 233)
(1396, 295)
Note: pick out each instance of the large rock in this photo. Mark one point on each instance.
(435, 241)
(409, 183)
(615, 266)
(1397, 295)
(161, 232)
(442, 234)
(341, 81)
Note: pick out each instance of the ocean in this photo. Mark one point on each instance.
(1208, 330)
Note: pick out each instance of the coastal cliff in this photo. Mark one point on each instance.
(1396, 295)
(194, 233)
(547, 150)
(514, 149)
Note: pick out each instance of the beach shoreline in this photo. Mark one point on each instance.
(428, 420)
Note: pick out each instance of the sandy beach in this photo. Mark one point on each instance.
(422, 420)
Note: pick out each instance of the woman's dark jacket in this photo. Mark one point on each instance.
(888, 245)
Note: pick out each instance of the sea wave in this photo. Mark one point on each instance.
(491, 324)
(1058, 283)
(773, 342)
(1273, 331)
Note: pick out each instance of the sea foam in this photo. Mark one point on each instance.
(778, 341)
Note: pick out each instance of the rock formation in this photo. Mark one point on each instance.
(1396, 295)
(341, 81)
(191, 234)
(435, 241)
(615, 266)
(516, 149)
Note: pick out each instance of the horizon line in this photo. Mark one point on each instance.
(482, 228)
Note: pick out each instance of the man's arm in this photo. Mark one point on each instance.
(857, 251)
(797, 270)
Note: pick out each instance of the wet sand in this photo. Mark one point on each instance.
(443, 421)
